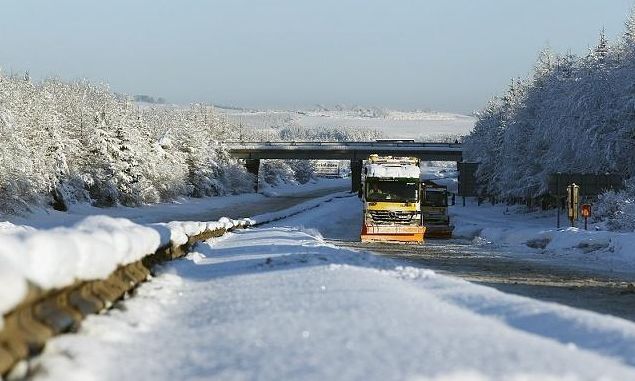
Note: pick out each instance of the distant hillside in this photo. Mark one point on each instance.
(420, 125)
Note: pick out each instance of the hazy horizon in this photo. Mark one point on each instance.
(450, 57)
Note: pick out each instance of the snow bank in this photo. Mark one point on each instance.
(531, 234)
(180, 231)
(95, 246)
(403, 171)
(14, 286)
(91, 249)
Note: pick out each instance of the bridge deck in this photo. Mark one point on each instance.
(344, 150)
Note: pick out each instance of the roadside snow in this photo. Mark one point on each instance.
(297, 209)
(535, 236)
(338, 219)
(279, 303)
(206, 208)
(91, 249)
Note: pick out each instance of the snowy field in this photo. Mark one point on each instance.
(279, 302)
(394, 124)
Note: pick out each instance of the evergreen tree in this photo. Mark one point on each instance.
(68, 142)
(601, 51)
(629, 34)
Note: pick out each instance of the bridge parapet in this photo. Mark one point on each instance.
(344, 150)
(328, 145)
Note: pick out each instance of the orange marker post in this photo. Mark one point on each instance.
(586, 213)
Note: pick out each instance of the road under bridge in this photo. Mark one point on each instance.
(356, 152)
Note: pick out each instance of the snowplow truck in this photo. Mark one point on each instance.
(391, 193)
(434, 208)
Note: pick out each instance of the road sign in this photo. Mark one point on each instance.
(591, 185)
(467, 179)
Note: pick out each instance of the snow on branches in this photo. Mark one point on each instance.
(574, 114)
(64, 143)
(69, 142)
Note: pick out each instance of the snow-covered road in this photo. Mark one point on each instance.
(597, 281)
(279, 302)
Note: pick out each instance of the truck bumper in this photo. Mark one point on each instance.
(405, 234)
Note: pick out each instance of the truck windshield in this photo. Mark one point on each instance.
(402, 191)
(433, 198)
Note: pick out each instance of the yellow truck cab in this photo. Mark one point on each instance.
(391, 193)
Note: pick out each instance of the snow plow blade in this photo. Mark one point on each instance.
(406, 234)
(442, 231)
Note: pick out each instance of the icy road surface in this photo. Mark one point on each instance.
(281, 304)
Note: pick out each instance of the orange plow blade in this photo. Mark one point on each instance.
(404, 234)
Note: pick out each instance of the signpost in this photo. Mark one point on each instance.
(573, 202)
(559, 199)
(586, 213)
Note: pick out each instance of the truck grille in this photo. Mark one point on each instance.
(392, 216)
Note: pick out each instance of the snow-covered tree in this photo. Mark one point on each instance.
(574, 114)
(628, 39)
(67, 142)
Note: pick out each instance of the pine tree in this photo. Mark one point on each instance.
(602, 49)
(304, 170)
(629, 34)
(66, 142)
(545, 65)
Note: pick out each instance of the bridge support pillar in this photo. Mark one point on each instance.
(252, 166)
(356, 175)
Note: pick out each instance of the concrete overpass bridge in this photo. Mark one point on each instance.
(356, 152)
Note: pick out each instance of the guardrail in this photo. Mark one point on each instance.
(43, 314)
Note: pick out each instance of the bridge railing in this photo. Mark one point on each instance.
(345, 144)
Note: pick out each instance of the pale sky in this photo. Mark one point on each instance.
(446, 55)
